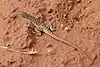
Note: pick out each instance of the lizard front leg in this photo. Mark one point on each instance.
(30, 25)
(38, 30)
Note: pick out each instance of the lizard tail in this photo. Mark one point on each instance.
(66, 42)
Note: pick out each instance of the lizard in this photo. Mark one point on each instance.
(47, 29)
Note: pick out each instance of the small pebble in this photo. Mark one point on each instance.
(66, 28)
(61, 26)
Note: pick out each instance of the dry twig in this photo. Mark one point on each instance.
(28, 52)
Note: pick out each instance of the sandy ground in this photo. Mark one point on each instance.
(76, 21)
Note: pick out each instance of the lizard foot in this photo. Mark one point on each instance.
(51, 27)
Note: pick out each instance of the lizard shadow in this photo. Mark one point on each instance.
(31, 38)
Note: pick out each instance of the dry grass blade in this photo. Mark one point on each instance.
(28, 52)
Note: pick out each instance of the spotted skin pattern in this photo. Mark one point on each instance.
(44, 28)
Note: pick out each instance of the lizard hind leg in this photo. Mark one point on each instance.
(51, 27)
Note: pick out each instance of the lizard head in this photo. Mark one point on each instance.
(26, 15)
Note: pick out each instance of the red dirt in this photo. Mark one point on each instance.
(81, 17)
